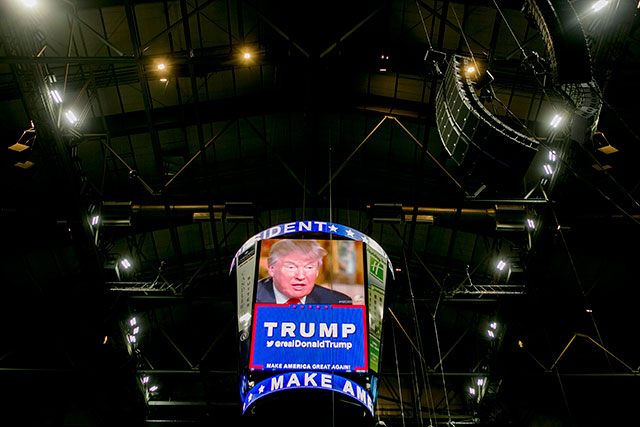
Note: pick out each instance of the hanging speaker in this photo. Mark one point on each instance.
(487, 150)
(564, 37)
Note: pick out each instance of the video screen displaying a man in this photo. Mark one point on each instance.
(293, 267)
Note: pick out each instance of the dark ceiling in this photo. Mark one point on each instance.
(332, 118)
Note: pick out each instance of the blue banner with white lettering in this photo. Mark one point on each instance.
(304, 336)
(308, 380)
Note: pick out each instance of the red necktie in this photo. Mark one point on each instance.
(293, 301)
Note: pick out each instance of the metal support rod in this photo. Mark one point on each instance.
(451, 25)
(97, 34)
(176, 347)
(149, 189)
(426, 151)
(195, 156)
(279, 31)
(354, 29)
(180, 21)
(335, 174)
(451, 349)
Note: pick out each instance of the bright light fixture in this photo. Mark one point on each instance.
(471, 69)
(95, 220)
(480, 382)
(382, 70)
(530, 223)
(247, 55)
(136, 330)
(56, 96)
(493, 325)
(491, 333)
(501, 265)
(160, 66)
(153, 388)
(599, 5)
(163, 79)
(472, 391)
(133, 321)
(552, 156)
(132, 338)
(125, 263)
(71, 117)
(145, 380)
(556, 120)
(547, 169)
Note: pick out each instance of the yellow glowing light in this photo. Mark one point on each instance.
(160, 66)
(247, 55)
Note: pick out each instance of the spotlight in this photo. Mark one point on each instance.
(552, 156)
(161, 67)
(133, 321)
(491, 333)
(520, 344)
(556, 121)
(153, 388)
(56, 96)
(530, 223)
(71, 117)
(136, 330)
(599, 5)
(247, 55)
(145, 380)
(163, 80)
(95, 220)
(480, 382)
(493, 325)
(501, 265)
(547, 169)
(471, 69)
(472, 391)
(132, 338)
(125, 263)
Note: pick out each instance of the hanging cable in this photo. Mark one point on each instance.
(440, 361)
(509, 27)
(395, 350)
(425, 378)
(426, 33)
(464, 37)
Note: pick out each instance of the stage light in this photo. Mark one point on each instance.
(493, 325)
(133, 321)
(153, 388)
(552, 156)
(56, 96)
(132, 338)
(530, 223)
(382, 70)
(161, 67)
(472, 391)
(501, 265)
(247, 55)
(599, 5)
(480, 382)
(145, 380)
(125, 263)
(491, 333)
(547, 169)
(556, 121)
(136, 330)
(95, 220)
(71, 117)
(471, 69)
(163, 80)
(520, 344)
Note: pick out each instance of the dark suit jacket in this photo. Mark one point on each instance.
(318, 295)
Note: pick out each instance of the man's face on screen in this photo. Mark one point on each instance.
(294, 274)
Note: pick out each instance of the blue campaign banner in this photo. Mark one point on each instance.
(303, 336)
(308, 380)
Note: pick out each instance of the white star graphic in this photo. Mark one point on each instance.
(261, 389)
(365, 239)
(350, 233)
(333, 228)
(250, 398)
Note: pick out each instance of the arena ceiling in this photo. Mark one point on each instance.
(185, 148)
